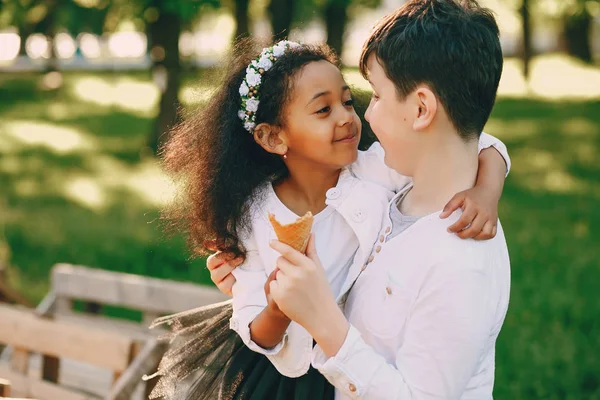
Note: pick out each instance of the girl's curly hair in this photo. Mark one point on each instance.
(217, 166)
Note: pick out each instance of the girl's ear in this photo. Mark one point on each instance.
(269, 138)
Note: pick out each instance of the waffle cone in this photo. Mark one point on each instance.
(294, 234)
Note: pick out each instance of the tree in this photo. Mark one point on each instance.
(336, 19)
(51, 16)
(575, 18)
(242, 25)
(281, 14)
(577, 24)
(526, 28)
(14, 13)
(163, 37)
(335, 14)
(49, 27)
(164, 23)
(28, 16)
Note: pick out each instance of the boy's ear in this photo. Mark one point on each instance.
(269, 138)
(427, 107)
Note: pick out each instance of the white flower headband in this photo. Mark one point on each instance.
(251, 83)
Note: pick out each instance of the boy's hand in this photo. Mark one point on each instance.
(480, 213)
(220, 266)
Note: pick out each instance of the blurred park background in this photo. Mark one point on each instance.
(89, 87)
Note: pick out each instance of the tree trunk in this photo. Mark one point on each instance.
(166, 69)
(282, 15)
(336, 18)
(576, 35)
(241, 18)
(48, 25)
(526, 50)
(23, 44)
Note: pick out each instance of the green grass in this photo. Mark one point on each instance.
(83, 204)
(77, 192)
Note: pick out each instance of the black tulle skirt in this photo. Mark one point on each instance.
(206, 360)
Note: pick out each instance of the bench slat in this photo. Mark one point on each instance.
(157, 296)
(32, 387)
(101, 347)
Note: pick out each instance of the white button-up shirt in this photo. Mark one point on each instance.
(424, 315)
(346, 231)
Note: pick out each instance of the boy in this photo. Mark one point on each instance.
(422, 320)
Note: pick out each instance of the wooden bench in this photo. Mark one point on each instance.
(4, 388)
(5, 391)
(29, 333)
(95, 288)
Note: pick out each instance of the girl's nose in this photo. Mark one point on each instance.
(346, 117)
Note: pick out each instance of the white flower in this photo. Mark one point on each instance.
(252, 67)
(249, 126)
(252, 105)
(244, 89)
(279, 49)
(265, 63)
(293, 45)
(253, 78)
(242, 115)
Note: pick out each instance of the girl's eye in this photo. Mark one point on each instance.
(349, 103)
(375, 97)
(324, 110)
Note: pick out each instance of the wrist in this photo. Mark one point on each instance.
(330, 330)
(276, 315)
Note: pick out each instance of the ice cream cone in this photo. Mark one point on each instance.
(294, 234)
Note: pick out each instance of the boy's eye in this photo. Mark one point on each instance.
(323, 110)
(349, 103)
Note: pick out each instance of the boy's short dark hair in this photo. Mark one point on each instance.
(450, 45)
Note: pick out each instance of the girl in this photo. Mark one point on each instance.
(281, 136)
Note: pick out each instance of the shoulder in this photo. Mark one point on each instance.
(358, 187)
(447, 250)
(375, 151)
(370, 165)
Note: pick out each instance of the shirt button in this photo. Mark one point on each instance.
(388, 229)
(371, 258)
(378, 249)
(381, 238)
(352, 387)
(359, 215)
(388, 290)
(333, 193)
(363, 267)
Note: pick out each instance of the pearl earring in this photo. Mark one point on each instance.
(285, 156)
